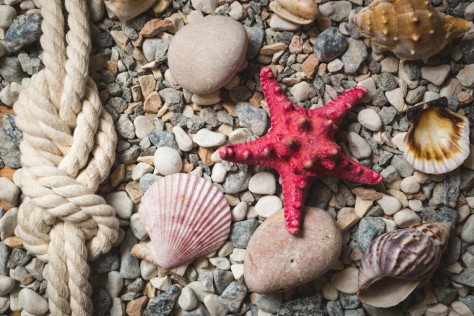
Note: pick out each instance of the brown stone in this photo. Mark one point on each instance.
(147, 84)
(347, 220)
(132, 107)
(367, 194)
(138, 42)
(136, 307)
(149, 291)
(120, 38)
(205, 154)
(310, 65)
(277, 261)
(155, 26)
(146, 159)
(138, 55)
(271, 49)
(417, 196)
(464, 98)
(13, 242)
(323, 23)
(111, 66)
(256, 98)
(104, 96)
(296, 45)
(230, 108)
(152, 103)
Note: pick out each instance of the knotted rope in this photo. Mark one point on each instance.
(67, 150)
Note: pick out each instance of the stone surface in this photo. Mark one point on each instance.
(253, 118)
(24, 30)
(167, 161)
(354, 56)
(346, 280)
(330, 44)
(207, 138)
(369, 228)
(32, 302)
(233, 296)
(121, 202)
(164, 303)
(302, 306)
(218, 43)
(268, 205)
(274, 259)
(242, 231)
(370, 119)
(261, 183)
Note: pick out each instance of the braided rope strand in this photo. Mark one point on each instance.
(67, 150)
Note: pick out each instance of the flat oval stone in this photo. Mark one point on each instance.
(204, 55)
(277, 261)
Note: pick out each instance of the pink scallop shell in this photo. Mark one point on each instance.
(186, 217)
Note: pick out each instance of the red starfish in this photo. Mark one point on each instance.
(300, 146)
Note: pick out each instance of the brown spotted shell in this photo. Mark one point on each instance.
(394, 263)
(438, 139)
(411, 29)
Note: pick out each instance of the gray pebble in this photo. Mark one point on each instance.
(466, 277)
(105, 263)
(444, 294)
(349, 301)
(137, 286)
(233, 296)
(403, 167)
(334, 308)
(354, 312)
(4, 254)
(147, 180)
(469, 301)
(269, 302)
(378, 98)
(173, 99)
(130, 155)
(252, 117)
(330, 44)
(242, 231)
(369, 228)
(101, 301)
(302, 306)
(386, 82)
(200, 311)
(129, 264)
(255, 40)
(163, 139)
(137, 227)
(8, 223)
(114, 284)
(18, 257)
(10, 69)
(354, 56)
(163, 304)
(195, 123)
(467, 233)
(415, 95)
(125, 127)
(236, 182)
(222, 279)
(24, 30)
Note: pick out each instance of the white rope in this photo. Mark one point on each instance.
(67, 150)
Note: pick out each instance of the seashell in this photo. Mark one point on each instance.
(438, 139)
(128, 9)
(411, 29)
(297, 11)
(144, 250)
(395, 263)
(186, 217)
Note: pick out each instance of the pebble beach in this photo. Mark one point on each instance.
(170, 122)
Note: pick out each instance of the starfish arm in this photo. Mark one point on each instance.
(253, 153)
(295, 188)
(340, 106)
(348, 169)
(274, 94)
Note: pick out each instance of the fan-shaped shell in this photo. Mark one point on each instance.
(394, 263)
(297, 11)
(128, 9)
(411, 29)
(438, 139)
(185, 216)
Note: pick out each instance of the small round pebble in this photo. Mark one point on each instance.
(32, 302)
(167, 161)
(370, 119)
(263, 183)
(409, 185)
(218, 173)
(121, 202)
(239, 212)
(207, 138)
(268, 205)
(406, 217)
(187, 300)
(359, 147)
(6, 285)
(389, 204)
(346, 280)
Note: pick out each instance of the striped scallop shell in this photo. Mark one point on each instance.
(438, 139)
(128, 9)
(394, 263)
(186, 217)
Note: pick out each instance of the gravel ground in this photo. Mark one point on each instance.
(162, 130)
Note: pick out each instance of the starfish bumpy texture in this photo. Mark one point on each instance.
(300, 146)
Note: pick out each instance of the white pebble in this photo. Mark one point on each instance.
(329, 292)
(436, 74)
(237, 12)
(9, 192)
(369, 84)
(302, 91)
(167, 161)
(32, 302)
(370, 119)
(396, 99)
(268, 205)
(148, 270)
(206, 99)
(6, 285)
(118, 308)
(335, 65)
(422, 177)
(213, 305)
(359, 147)
(143, 126)
(238, 255)
(205, 6)
(239, 212)
(207, 138)
(237, 271)
(461, 308)
(141, 169)
(279, 24)
(415, 205)
(121, 202)
(437, 310)
(7, 14)
(389, 204)
(185, 143)
(218, 173)
(346, 280)
(114, 284)
(409, 185)
(239, 135)
(220, 263)
(187, 300)
(406, 218)
(263, 183)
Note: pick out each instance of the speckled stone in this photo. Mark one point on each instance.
(276, 260)
(252, 117)
(302, 306)
(203, 56)
(25, 30)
